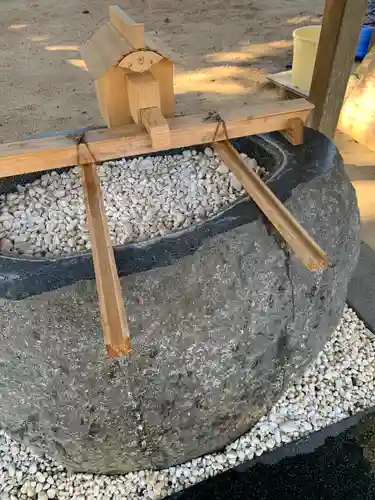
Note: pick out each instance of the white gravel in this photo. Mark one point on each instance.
(339, 383)
(144, 198)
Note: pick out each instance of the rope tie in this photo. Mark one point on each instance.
(80, 138)
(215, 116)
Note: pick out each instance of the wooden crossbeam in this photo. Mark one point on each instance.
(306, 249)
(111, 303)
(60, 151)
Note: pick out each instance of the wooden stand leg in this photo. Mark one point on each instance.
(306, 249)
(145, 108)
(294, 131)
(114, 323)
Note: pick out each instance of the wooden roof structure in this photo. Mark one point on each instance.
(133, 75)
(119, 38)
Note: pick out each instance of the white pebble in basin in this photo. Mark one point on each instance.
(144, 198)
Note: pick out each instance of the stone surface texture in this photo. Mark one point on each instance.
(217, 337)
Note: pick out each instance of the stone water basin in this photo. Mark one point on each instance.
(222, 319)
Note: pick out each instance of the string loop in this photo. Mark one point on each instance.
(215, 116)
(80, 138)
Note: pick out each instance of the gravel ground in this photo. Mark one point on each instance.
(339, 383)
(144, 198)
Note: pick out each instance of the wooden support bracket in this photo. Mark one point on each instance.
(111, 302)
(294, 131)
(157, 127)
(306, 249)
(145, 108)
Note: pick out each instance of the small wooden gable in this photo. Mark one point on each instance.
(123, 42)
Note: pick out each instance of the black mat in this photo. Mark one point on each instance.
(340, 469)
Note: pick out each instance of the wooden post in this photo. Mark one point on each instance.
(338, 40)
(112, 92)
(145, 107)
(163, 72)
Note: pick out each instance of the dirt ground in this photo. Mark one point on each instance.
(227, 45)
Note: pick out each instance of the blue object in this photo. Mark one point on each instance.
(364, 41)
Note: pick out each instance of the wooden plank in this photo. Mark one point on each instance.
(111, 302)
(338, 40)
(104, 50)
(154, 42)
(137, 37)
(132, 31)
(306, 249)
(157, 127)
(60, 151)
(143, 92)
(163, 72)
(112, 94)
(284, 80)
